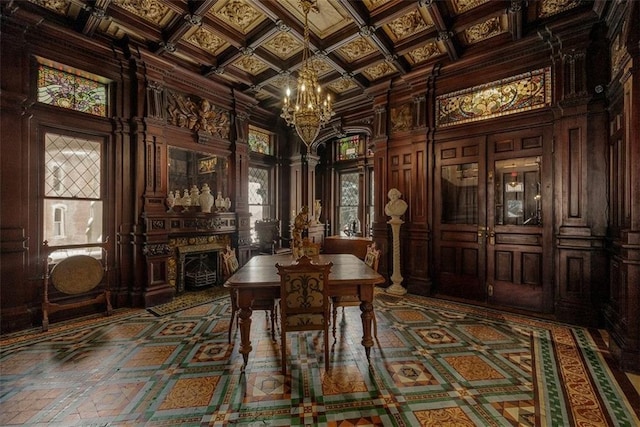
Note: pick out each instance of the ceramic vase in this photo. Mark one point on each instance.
(219, 201)
(195, 196)
(170, 201)
(206, 199)
(186, 199)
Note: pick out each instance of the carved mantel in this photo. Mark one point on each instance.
(171, 237)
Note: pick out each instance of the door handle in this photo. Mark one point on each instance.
(482, 233)
(492, 237)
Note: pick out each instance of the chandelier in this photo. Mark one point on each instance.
(310, 112)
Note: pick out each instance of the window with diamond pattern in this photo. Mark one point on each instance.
(72, 182)
(262, 192)
(259, 194)
(349, 201)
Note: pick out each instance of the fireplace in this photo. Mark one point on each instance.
(198, 266)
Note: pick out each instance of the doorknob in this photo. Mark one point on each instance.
(492, 237)
(482, 232)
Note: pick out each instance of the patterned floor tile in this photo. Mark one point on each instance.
(434, 363)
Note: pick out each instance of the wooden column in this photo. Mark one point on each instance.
(580, 180)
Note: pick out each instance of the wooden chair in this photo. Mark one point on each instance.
(268, 237)
(75, 277)
(372, 259)
(304, 302)
(229, 266)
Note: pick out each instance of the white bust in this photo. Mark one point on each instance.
(396, 206)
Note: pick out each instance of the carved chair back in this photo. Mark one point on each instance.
(304, 301)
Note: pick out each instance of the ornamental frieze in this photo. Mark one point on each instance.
(401, 118)
(200, 240)
(197, 115)
(209, 223)
(156, 249)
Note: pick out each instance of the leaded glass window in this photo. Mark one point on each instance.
(349, 201)
(72, 188)
(260, 204)
(72, 167)
(67, 90)
(259, 141)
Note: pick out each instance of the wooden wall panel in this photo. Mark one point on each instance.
(531, 269)
(419, 206)
(448, 259)
(575, 160)
(469, 261)
(504, 263)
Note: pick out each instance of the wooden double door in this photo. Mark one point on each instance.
(492, 223)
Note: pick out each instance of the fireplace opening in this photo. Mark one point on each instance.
(198, 267)
(200, 272)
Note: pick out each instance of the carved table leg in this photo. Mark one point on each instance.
(367, 314)
(244, 321)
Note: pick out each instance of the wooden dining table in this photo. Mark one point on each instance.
(258, 279)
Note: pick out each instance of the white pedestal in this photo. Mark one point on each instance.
(396, 288)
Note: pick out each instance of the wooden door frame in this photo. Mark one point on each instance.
(471, 150)
(547, 248)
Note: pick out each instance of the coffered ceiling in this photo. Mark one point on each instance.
(256, 45)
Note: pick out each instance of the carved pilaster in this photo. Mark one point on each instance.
(419, 111)
(156, 106)
(515, 19)
(380, 122)
(574, 74)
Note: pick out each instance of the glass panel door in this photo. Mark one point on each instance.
(460, 193)
(517, 191)
(460, 219)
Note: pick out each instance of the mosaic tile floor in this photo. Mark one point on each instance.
(436, 363)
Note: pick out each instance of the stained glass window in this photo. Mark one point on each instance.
(524, 92)
(260, 142)
(68, 90)
(349, 148)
